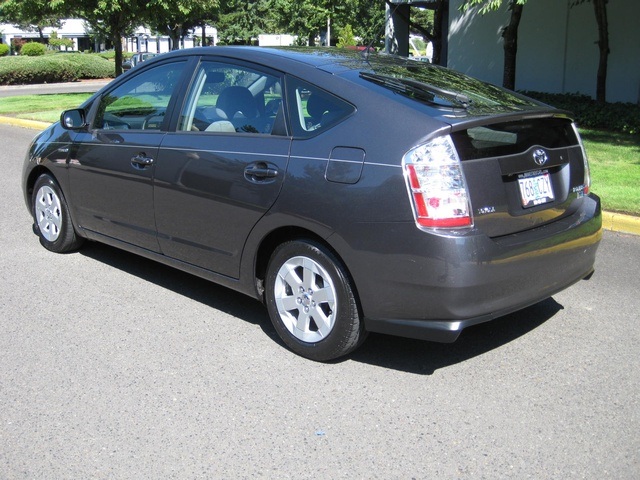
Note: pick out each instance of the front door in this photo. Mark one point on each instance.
(112, 165)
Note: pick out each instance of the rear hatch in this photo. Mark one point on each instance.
(522, 172)
(523, 161)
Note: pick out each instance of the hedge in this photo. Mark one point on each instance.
(617, 117)
(4, 49)
(62, 67)
(90, 65)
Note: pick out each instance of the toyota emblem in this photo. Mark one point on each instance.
(540, 156)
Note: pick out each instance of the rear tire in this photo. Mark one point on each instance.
(311, 301)
(52, 222)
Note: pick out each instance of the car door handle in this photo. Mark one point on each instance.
(260, 170)
(141, 161)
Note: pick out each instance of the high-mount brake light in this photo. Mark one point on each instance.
(437, 186)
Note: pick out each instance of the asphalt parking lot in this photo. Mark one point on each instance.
(112, 366)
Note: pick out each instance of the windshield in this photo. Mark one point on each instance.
(441, 87)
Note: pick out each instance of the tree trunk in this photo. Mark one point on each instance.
(174, 35)
(117, 46)
(438, 17)
(510, 36)
(600, 7)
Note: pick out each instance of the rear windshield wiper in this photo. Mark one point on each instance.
(430, 93)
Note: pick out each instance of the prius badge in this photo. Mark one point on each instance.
(540, 156)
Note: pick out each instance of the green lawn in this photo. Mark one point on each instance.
(614, 157)
(44, 108)
(615, 169)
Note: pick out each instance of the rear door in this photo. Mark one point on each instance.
(224, 165)
(112, 165)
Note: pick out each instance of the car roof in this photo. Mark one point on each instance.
(325, 66)
(311, 56)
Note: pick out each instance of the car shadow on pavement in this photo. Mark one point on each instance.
(422, 357)
(182, 283)
(397, 353)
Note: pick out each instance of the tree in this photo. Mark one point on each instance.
(509, 33)
(307, 18)
(241, 21)
(368, 22)
(176, 18)
(302, 18)
(31, 15)
(346, 38)
(113, 19)
(600, 10)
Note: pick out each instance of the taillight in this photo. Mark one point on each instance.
(587, 170)
(436, 185)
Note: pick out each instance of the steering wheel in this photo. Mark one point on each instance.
(153, 121)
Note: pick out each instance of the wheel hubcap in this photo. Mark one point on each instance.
(306, 299)
(48, 213)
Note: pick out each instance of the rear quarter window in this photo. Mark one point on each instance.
(314, 110)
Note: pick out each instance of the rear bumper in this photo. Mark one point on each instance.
(460, 281)
(444, 331)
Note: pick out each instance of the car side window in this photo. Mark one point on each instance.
(141, 102)
(314, 109)
(228, 98)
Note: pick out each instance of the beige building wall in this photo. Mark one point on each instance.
(557, 49)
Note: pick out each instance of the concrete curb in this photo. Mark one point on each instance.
(619, 222)
(21, 122)
(616, 222)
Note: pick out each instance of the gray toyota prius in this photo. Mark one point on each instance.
(350, 192)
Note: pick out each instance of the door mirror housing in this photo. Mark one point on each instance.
(73, 119)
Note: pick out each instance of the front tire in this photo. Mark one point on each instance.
(311, 301)
(52, 222)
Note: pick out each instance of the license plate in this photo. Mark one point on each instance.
(535, 188)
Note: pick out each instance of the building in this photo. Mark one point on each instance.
(557, 45)
(143, 40)
(73, 29)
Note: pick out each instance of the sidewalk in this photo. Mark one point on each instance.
(82, 86)
(616, 222)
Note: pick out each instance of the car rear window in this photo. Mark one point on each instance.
(441, 87)
(511, 138)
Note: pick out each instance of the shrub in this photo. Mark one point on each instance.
(17, 44)
(33, 49)
(617, 117)
(57, 43)
(4, 49)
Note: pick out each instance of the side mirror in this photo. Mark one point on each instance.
(73, 119)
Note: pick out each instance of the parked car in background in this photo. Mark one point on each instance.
(136, 59)
(350, 192)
